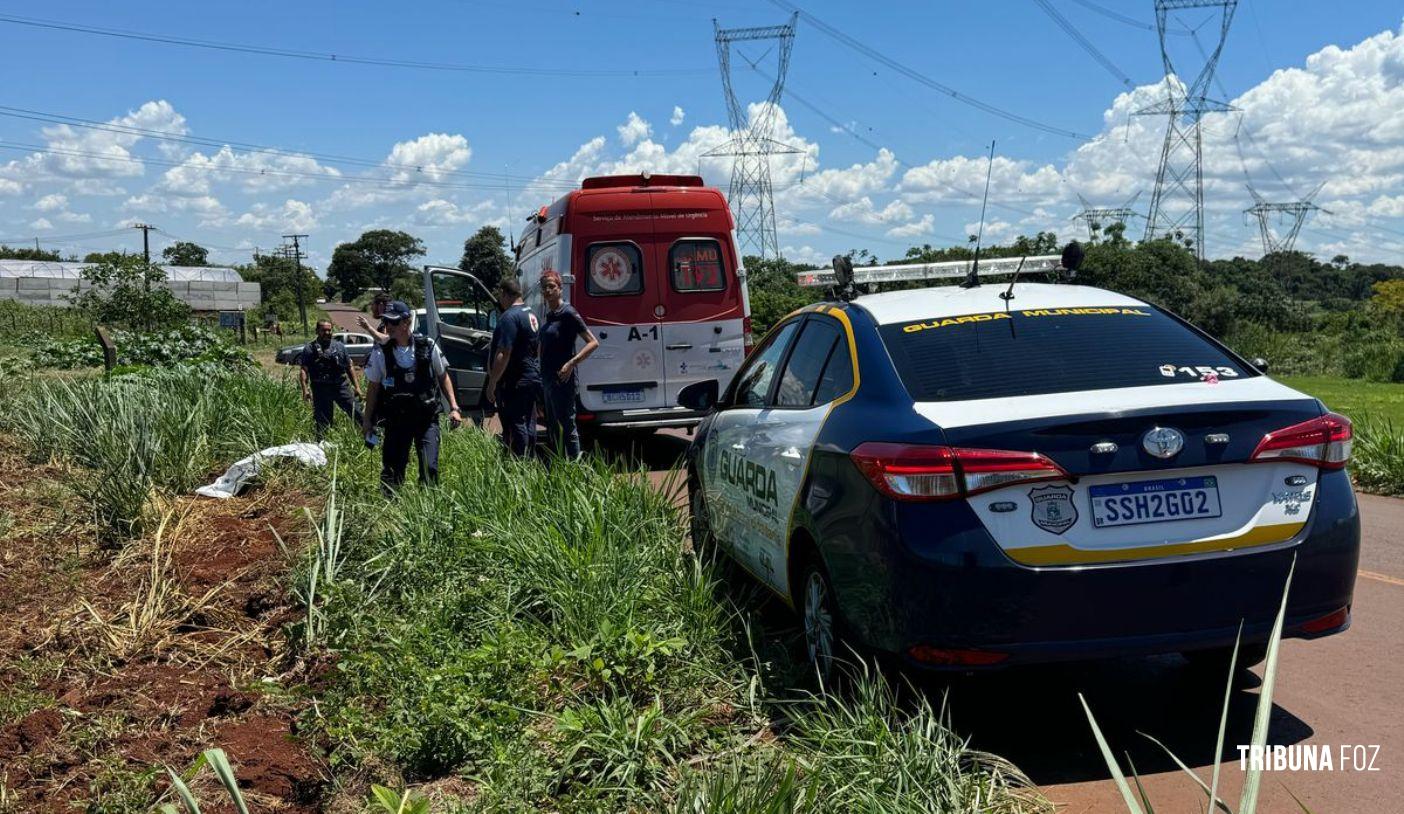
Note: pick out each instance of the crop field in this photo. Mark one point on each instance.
(521, 638)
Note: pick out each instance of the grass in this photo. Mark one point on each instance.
(1355, 398)
(543, 634)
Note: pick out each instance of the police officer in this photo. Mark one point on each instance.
(326, 367)
(514, 372)
(405, 378)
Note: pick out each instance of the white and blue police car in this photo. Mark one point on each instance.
(972, 481)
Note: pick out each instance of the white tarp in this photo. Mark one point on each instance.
(242, 471)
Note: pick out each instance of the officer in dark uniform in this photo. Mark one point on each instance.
(405, 379)
(514, 371)
(327, 380)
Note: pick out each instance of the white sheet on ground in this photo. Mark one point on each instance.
(242, 471)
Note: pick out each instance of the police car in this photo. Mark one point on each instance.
(977, 477)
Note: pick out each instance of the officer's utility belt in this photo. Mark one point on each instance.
(409, 406)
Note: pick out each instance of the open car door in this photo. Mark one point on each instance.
(460, 315)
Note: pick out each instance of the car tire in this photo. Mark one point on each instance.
(704, 545)
(819, 620)
(1215, 661)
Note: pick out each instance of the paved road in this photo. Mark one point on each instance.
(1342, 690)
(343, 316)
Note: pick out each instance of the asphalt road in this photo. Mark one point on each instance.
(1341, 691)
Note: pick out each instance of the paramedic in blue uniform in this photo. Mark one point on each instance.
(559, 360)
(405, 379)
(514, 372)
(327, 380)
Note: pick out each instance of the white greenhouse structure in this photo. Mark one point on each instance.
(203, 288)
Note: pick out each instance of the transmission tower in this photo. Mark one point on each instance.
(1097, 217)
(1293, 213)
(1177, 205)
(752, 143)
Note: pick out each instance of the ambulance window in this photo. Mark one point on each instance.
(806, 364)
(696, 265)
(753, 382)
(614, 270)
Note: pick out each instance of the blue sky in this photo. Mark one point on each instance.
(1336, 119)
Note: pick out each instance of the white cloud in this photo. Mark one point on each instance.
(53, 202)
(677, 117)
(90, 153)
(8, 187)
(41, 223)
(634, 130)
(254, 172)
(925, 226)
(962, 179)
(293, 215)
(428, 157)
(441, 212)
(863, 211)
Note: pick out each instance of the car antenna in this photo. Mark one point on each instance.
(1009, 292)
(973, 278)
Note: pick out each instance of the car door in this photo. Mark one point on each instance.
(465, 346)
(742, 494)
(702, 327)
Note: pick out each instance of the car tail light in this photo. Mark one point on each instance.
(1324, 442)
(918, 472)
(748, 339)
(943, 656)
(1330, 621)
(585, 417)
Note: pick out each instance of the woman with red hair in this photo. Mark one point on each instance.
(559, 359)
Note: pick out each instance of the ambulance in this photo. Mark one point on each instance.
(651, 264)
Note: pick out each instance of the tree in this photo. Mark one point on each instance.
(185, 254)
(105, 257)
(1389, 296)
(381, 258)
(24, 253)
(485, 256)
(278, 284)
(128, 292)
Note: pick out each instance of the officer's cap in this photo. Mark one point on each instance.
(396, 311)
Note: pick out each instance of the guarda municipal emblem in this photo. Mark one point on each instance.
(1053, 509)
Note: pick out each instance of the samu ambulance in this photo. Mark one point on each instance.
(651, 264)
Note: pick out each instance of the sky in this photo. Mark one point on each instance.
(507, 105)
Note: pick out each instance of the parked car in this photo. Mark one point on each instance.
(358, 347)
(970, 482)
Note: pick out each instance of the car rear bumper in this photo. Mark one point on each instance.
(641, 419)
(942, 583)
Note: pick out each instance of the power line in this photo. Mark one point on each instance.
(1120, 18)
(917, 76)
(164, 135)
(1085, 43)
(263, 50)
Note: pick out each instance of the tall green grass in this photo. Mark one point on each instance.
(134, 437)
(1377, 456)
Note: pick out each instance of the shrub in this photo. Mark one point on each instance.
(188, 343)
(1377, 456)
(128, 292)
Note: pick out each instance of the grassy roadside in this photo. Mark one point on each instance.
(518, 639)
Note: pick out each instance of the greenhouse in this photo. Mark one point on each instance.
(203, 288)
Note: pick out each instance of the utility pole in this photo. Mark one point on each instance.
(145, 239)
(297, 278)
(1177, 204)
(1293, 212)
(751, 196)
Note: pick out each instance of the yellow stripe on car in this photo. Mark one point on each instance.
(1063, 554)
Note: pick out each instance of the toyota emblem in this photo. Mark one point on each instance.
(1163, 442)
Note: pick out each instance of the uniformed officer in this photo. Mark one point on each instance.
(405, 379)
(327, 380)
(514, 373)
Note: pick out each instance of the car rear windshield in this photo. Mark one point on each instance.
(1051, 350)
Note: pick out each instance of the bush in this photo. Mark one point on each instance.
(18, 319)
(1377, 456)
(128, 292)
(188, 343)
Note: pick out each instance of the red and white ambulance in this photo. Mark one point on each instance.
(651, 264)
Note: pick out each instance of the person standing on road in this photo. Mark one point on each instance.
(327, 380)
(514, 369)
(406, 377)
(559, 360)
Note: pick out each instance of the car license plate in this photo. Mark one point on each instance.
(622, 396)
(1155, 501)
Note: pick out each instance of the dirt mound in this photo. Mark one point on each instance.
(115, 664)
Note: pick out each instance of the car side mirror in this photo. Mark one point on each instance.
(699, 396)
(1259, 364)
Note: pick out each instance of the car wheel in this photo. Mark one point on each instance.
(1215, 661)
(820, 619)
(700, 523)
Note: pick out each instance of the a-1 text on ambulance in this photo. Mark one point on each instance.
(650, 262)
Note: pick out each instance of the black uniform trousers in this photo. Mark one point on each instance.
(326, 398)
(516, 410)
(400, 433)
